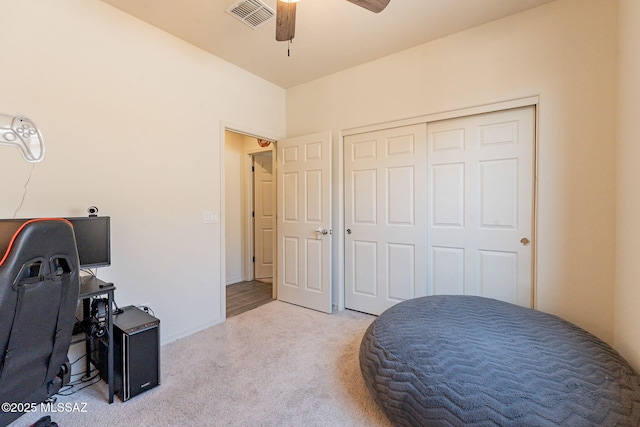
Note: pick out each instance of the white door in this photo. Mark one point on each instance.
(480, 205)
(263, 215)
(304, 221)
(385, 217)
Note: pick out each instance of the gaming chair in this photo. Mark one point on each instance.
(39, 285)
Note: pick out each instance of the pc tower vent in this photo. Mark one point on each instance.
(254, 13)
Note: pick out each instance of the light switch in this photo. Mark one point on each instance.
(210, 217)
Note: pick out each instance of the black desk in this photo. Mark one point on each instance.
(91, 287)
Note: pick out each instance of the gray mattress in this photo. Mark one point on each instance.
(463, 360)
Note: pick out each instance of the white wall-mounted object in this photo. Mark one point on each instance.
(21, 132)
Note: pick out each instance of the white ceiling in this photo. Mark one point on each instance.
(331, 35)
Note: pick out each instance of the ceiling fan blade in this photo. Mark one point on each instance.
(375, 6)
(285, 21)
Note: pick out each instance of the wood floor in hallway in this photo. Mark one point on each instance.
(245, 296)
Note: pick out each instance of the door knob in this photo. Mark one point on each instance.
(321, 232)
(524, 241)
(348, 231)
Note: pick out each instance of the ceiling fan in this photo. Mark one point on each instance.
(286, 15)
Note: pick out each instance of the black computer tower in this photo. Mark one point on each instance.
(136, 349)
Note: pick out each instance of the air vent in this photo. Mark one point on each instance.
(254, 13)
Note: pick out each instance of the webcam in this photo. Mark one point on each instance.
(93, 211)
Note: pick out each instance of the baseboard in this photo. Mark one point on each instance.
(233, 280)
(190, 331)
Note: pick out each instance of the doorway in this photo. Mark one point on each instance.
(248, 226)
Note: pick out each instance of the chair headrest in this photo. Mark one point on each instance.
(11, 231)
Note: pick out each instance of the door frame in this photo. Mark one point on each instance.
(532, 101)
(247, 131)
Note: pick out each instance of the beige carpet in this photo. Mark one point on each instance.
(276, 365)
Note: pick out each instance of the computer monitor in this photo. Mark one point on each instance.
(93, 238)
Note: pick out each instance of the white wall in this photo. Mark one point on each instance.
(627, 309)
(565, 52)
(132, 118)
(234, 187)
